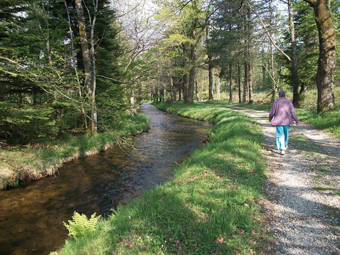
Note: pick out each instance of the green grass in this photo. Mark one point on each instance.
(209, 207)
(41, 160)
(329, 121)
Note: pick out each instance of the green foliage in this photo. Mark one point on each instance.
(42, 74)
(307, 45)
(80, 226)
(328, 121)
(37, 160)
(22, 124)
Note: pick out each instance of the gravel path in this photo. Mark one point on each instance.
(302, 201)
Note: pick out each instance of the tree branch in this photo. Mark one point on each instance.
(267, 32)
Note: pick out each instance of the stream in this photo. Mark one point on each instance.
(32, 215)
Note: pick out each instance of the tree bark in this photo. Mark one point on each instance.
(156, 95)
(245, 84)
(263, 77)
(179, 94)
(231, 82)
(173, 90)
(218, 87)
(85, 49)
(93, 76)
(201, 90)
(82, 115)
(192, 60)
(192, 56)
(185, 76)
(132, 98)
(210, 73)
(327, 55)
(271, 63)
(250, 82)
(162, 95)
(197, 98)
(211, 80)
(296, 95)
(185, 88)
(239, 81)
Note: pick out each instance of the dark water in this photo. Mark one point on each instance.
(31, 217)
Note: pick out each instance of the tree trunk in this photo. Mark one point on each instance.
(210, 81)
(271, 63)
(210, 73)
(132, 98)
(179, 94)
(201, 90)
(263, 69)
(218, 87)
(185, 77)
(245, 84)
(185, 88)
(239, 81)
(173, 90)
(327, 55)
(296, 96)
(84, 49)
(47, 38)
(231, 83)
(162, 94)
(156, 95)
(94, 77)
(197, 98)
(192, 59)
(82, 115)
(250, 82)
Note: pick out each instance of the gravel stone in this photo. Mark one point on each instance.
(302, 203)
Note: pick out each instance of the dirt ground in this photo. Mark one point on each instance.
(302, 202)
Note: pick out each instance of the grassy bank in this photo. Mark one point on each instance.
(328, 121)
(39, 160)
(209, 207)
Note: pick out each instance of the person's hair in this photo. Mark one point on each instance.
(282, 93)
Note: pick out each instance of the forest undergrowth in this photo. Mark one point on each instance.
(34, 161)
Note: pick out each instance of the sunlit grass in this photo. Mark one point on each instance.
(329, 121)
(209, 207)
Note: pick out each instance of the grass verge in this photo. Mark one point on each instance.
(209, 207)
(40, 160)
(328, 121)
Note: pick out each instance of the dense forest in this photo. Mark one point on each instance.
(80, 66)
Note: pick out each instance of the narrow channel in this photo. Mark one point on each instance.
(31, 216)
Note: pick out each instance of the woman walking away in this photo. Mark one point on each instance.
(282, 115)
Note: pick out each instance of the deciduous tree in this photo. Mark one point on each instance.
(327, 54)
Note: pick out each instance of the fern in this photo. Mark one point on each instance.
(80, 226)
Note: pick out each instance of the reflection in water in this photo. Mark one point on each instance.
(31, 217)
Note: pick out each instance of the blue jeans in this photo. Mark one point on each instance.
(282, 137)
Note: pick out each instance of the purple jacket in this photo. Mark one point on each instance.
(282, 112)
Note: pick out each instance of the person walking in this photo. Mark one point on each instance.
(282, 115)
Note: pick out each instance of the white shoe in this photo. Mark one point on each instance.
(282, 152)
